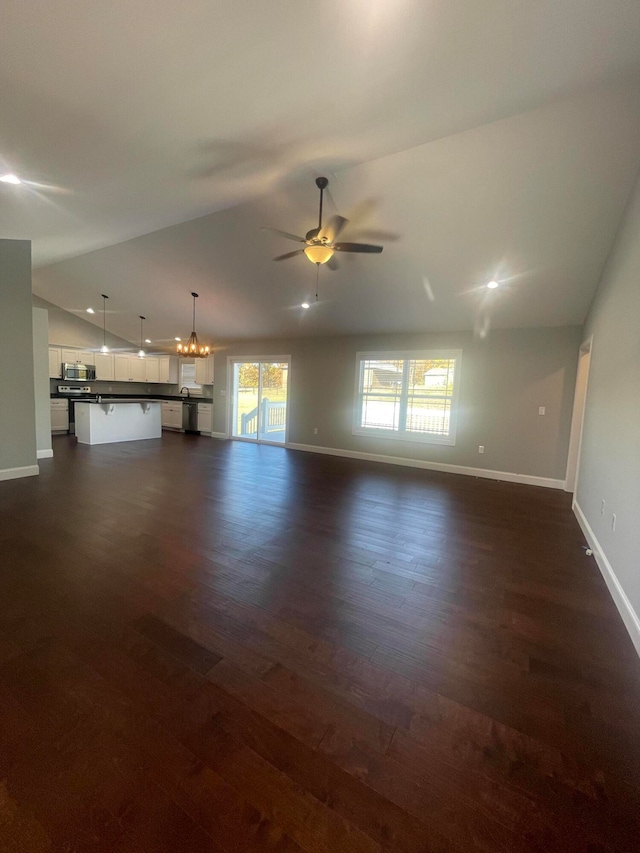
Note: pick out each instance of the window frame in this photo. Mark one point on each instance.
(195, 389)
(403, 434)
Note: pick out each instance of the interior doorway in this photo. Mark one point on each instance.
(577, 421)
(260, 399)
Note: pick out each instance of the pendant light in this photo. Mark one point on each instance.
(104, 347)
(193, 348)
(141, 351)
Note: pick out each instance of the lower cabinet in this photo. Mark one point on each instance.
(59, 415)
(205, 417)
(171, 415)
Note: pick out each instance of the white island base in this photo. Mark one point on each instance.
(118, 420)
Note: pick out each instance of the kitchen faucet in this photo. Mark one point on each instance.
(184, 388)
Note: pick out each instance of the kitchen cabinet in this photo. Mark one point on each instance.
(55, 363)
(168, 369)
(204, 370)
(137, 369)
(118, 367)
(121, 367)
(104, 366)
(129, 368)
(171, 415)
(152, 365)
(77, 356)
(205, 417)
(59, 415)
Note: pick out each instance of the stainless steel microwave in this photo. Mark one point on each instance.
(79, 372)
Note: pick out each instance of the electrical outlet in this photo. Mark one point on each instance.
(542, 410)
(315, 430)
(481, 448)
(613, 521)
(602, 508)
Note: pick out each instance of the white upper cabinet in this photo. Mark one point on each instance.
(152, 369)
(168, 369)
(71, 356)
(204, 370)
(137, 369)
(55, 363)
(104, 366)
(121, 367)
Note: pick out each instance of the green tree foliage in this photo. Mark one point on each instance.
(273, 375)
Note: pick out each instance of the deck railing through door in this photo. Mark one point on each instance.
(273, 417)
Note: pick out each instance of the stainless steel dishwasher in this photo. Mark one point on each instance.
(190, 415)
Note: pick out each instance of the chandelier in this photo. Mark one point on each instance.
(193, 348)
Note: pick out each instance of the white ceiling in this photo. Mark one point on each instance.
(497, 139)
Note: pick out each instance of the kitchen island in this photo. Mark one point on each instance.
(112, 420)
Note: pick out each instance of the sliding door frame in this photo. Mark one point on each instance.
(232, 360)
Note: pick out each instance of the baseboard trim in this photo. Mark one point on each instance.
(44, 454)
(506, 476)
(219, 435)
(16, 473)
(629, 615)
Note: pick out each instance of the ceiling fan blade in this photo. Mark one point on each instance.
(333, 264)
(289, 255)
(332, 230)
(283, 234)
(376, 234)
(358, 247)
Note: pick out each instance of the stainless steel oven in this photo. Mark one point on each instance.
(79, 372)
(75, 393)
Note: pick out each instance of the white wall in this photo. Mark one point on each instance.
(41, 382)
(609, 467)
(70, 330)
(17, 403)
(504, 379)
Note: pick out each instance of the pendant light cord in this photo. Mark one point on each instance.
(104, 320)
(195, 296)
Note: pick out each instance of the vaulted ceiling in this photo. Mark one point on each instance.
(488, 140)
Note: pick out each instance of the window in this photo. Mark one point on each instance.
(408, 395)
(188, 377)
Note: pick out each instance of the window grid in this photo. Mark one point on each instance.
(407, 397)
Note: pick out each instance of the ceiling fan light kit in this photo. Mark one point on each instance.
(319, 253)
(193, 348)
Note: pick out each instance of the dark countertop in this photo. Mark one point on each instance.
(118, 401)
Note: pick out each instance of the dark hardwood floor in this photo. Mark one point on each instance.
(215, 646)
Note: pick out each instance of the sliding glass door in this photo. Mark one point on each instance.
(259, 399)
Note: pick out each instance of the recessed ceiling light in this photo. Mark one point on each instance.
(493, 284)
(90, 311)
(10, 179)
(305, 305)
(177, 339)
(147, 341)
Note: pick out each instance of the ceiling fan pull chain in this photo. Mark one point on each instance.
(317, 277)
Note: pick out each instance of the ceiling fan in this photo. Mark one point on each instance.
(320, 243)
